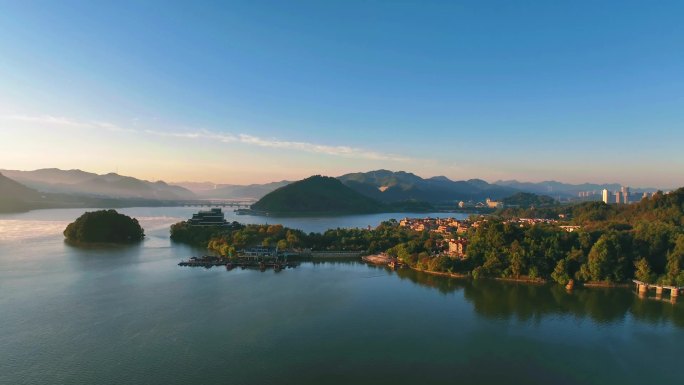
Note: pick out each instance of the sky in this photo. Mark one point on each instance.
(258, 91)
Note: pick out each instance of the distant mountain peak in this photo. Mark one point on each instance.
(440, 178)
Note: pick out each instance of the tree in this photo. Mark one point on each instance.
(282, 244)
(601, 260)
(643, 271)
(517, 259)
(675, 258)
(560, 273)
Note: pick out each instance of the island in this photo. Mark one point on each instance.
(104, 226)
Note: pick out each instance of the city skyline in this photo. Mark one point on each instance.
(253, 93)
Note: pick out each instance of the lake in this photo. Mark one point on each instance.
(130, 315)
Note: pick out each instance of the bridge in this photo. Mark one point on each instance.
(216, 203)
(644, 287)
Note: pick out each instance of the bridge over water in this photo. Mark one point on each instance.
(216, 203)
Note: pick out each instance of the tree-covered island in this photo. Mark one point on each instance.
(587, 242)
(104, 226)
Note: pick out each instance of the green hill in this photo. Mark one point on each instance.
(525, 200)
(16, 197)
(316, 195)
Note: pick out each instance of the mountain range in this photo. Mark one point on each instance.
(383, 186)
(208, 190)
(563, 189)
(112, 185)
(389, 186)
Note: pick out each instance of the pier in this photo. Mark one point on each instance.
(335, 254)
(643, 288)
(209, 261)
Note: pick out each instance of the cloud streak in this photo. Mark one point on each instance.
(203, 134)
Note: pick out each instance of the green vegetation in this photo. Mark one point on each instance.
(316, 194)
(225, 240)
(616, 243)
(526, 200)
(104, 226)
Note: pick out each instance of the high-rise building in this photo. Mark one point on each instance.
(618, 196)
(625, 194)
(606, 196)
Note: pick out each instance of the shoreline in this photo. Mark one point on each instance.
(529, 281)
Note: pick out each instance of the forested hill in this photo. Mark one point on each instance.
(316, 194)
(661, 207)
(523, 199)
(614, 243)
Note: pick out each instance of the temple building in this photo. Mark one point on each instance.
(213, 217)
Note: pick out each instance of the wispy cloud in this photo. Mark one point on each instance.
(318, 148)
(342, 151)
(66, 122)
(200, 134)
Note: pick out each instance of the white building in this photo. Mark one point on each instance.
(606, 196)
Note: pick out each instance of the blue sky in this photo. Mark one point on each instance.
(257, 91)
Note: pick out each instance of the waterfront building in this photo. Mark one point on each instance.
(213, 217)
(494, 204)
(457, 247)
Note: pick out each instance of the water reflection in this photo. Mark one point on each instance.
(507, 300)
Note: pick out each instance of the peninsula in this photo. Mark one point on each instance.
(592, 242)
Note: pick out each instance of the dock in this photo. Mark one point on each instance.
(209, 261)
(643, 288)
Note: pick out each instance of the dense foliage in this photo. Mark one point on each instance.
(616, 243)
(104, 226)
(226, 240)
(526, 200)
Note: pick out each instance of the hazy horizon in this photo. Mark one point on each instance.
(228, 182)
(247, 92)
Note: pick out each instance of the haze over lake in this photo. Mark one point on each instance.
(129, 314)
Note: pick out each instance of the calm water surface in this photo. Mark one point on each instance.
(129, 315)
